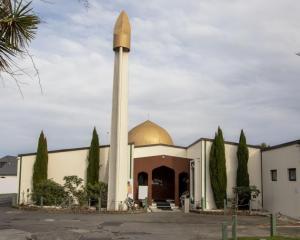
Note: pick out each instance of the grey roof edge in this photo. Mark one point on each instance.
(286, 144)
(226, 142)
(150, 145)
(61, 150)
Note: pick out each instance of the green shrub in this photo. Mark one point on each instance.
(74, 187)
(52, 193)
(94, 191)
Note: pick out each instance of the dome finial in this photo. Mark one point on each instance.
(122, 32)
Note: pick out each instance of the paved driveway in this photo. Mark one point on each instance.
(17, 225)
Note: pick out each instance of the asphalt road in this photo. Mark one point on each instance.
(38, 225)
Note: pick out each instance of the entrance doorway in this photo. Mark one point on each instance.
(183, 183)
(163, 186)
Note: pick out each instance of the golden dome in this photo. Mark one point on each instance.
(148, 133)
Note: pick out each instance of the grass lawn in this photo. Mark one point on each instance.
(268, 238)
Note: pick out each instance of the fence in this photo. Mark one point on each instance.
(8, 199)
(99, 204)
(234, 224)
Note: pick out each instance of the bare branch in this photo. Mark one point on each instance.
(36, 70)
(18, 85)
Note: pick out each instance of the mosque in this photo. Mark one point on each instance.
(144, 163)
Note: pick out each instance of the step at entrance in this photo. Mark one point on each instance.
(163, 205)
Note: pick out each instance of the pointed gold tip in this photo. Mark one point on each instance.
(122, 32)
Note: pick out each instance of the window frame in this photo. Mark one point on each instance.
(290, 170)
(276, 176)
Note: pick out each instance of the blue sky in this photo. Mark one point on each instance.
(194, 65)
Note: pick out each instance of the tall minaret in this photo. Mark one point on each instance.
(118, 157)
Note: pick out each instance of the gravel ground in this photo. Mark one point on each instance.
(39, 225)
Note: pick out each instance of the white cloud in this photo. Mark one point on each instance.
(194, 65)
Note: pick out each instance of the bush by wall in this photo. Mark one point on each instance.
(51, 192)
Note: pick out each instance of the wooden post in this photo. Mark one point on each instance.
(273, 231)
(146, 204)
(99, 204)
(224, 231)
(14, 201)
(234, 226)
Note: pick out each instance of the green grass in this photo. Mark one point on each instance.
(267, 238)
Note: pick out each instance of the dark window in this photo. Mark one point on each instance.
(274, 175)
(292, 174)
(2, 164)
(143, 179)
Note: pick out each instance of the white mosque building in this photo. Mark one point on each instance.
(147, 156)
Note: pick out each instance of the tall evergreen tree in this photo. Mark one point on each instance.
(93, 160)
(217, 165)
(242, 176)
(40, 168)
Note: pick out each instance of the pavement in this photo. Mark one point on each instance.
(39, 225)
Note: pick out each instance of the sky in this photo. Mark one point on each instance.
(193, 66)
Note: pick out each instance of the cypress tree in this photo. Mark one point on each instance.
(217, 165)
(242, 176)
(40, 167)
(93, 160)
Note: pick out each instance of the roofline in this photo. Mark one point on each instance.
(102, 146)
(150, 145)
(160, 144)
(8, 175)
(62, 150)
(226, 142)
(286, 144)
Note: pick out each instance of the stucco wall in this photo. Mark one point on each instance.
(195, 153)
(8, 184)
(254, 169)
(61, 164)
(159, 150)
(282, 195)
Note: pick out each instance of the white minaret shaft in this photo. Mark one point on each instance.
(118, 157)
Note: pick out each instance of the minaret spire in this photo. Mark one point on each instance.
(122, 32)
(118, 155)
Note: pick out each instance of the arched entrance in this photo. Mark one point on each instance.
(183, 183)
(163, 184)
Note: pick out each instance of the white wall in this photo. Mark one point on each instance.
(282, 195)
(8, 184)
(61, 164)
(195, 152)
(254, 169)
(159, 150)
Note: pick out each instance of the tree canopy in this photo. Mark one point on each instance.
(93, 160)
(40, 167)
(242, 175)
(18, 25)
(217, 166)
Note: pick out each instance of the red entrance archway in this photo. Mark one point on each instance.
(148, 166)
(163, 183)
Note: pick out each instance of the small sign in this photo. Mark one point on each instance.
(143, 192)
